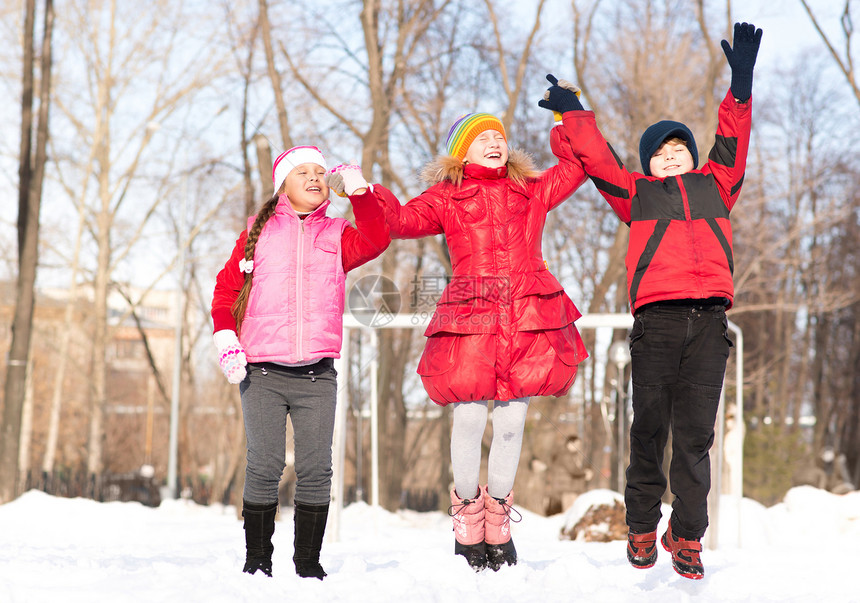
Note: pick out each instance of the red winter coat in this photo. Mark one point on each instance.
(503, 327)
(680, 234)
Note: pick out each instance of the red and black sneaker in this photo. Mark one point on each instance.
(642, 549)
(685, 555)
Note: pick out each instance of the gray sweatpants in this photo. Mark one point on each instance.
(308, 394)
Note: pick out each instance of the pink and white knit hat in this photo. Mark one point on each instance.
(292, 158)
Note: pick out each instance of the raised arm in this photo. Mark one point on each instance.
(586, 143)
(560, 181)
(418, 218)
(728, 157)
(370, 236)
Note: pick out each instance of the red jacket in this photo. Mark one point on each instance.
(503, 327)
(680, 234)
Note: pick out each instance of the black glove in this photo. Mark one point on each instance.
(560, 98)
(741, 58)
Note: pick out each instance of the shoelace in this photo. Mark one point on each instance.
(465, 502)
(508, 509)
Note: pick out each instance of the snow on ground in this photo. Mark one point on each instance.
(77, 550)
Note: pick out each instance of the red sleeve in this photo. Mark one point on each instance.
(418, 218)
(603, 166)
(560, 181)
(228, 283)
(727, 160)
(370, 236)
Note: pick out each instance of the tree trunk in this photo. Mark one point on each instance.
(98, 379)
(101, 290)
(26, 438)
(31, 173)
(264, 165)
(63, 354)
(250, 200)
(274, 76)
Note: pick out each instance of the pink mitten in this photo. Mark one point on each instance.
(346, 180)
(231, 356)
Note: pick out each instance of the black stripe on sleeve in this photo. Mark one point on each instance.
(607, 187)
(724, 151)
(737, 187)
(617, 158)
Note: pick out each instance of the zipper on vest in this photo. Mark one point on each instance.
(299, 288)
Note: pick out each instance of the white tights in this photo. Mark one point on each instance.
(470, 420)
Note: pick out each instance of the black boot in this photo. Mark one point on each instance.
(501, 554)
(259, 527)
(475, 554)
(310, 523)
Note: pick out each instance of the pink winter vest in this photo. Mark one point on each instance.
(295, 310)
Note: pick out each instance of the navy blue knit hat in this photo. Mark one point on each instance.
(656, 134)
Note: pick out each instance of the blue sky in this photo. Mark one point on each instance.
(787, 28)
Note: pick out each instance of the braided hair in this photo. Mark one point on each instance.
(241, 303)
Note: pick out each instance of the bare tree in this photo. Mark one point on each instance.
(381, 82)
(841, 55)
(274, 74)
(795, 293)
(31, 174)
(139, 54)
(845, 423)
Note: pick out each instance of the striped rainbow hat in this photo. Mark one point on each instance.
(467, 128)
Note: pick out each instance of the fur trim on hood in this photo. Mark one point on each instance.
(445, 167)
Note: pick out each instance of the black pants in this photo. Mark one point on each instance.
(679, 355)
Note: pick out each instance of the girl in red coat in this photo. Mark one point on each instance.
(504, 328)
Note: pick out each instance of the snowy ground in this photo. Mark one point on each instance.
(76, 550)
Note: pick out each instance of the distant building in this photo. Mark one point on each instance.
(131, 385)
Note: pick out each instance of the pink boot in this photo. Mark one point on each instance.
(468, 516)
(497, 530)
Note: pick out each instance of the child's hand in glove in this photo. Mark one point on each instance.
(561, 97)
(231, 356)
(346, 180)
(741, 55)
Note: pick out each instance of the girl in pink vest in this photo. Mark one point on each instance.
(278, 316)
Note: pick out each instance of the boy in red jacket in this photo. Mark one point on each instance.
(679, 279)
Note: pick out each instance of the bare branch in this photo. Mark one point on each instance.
(846, 65)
